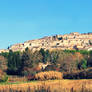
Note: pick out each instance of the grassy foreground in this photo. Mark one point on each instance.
(50, 85)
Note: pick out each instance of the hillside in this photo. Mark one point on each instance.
(70, 41)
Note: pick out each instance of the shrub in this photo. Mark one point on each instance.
(3, 63)
(48, 75)
(3, 76)
(52, 68)
(80, 74)
(28, 71)
(82, 64)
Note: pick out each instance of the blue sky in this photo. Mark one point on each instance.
(22, 20)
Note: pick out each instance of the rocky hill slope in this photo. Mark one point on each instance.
(70, 41)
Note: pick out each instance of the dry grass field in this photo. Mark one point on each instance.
(51, 85)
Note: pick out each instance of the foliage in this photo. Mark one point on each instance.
(3, 76)
(14, 62)
(3, 63)
(26, 63)
(45, 55)
(53, 57)
(52, 67)
(5, 54)
(83, 64)
(29, 62)
(79, 74)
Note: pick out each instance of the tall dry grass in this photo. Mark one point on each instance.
(14, 79)
(50, 86)
(49, 75)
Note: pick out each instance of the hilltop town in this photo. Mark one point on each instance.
(70, 41)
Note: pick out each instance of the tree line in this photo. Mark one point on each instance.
(26, 63)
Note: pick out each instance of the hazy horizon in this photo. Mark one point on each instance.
(22, 20)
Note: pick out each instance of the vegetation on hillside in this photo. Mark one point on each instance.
(28, 63)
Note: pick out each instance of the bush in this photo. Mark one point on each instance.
(82, 64)
(3, 76)
(81, 74)
(52, 68)
(48, 75)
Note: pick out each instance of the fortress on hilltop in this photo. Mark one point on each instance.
(70, 41)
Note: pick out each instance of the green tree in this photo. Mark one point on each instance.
(82, 64)
(28, 62)
(54, 57)
(45, 55)
(26, 59)
(3, 63)
(14, 62)
(90, 59)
